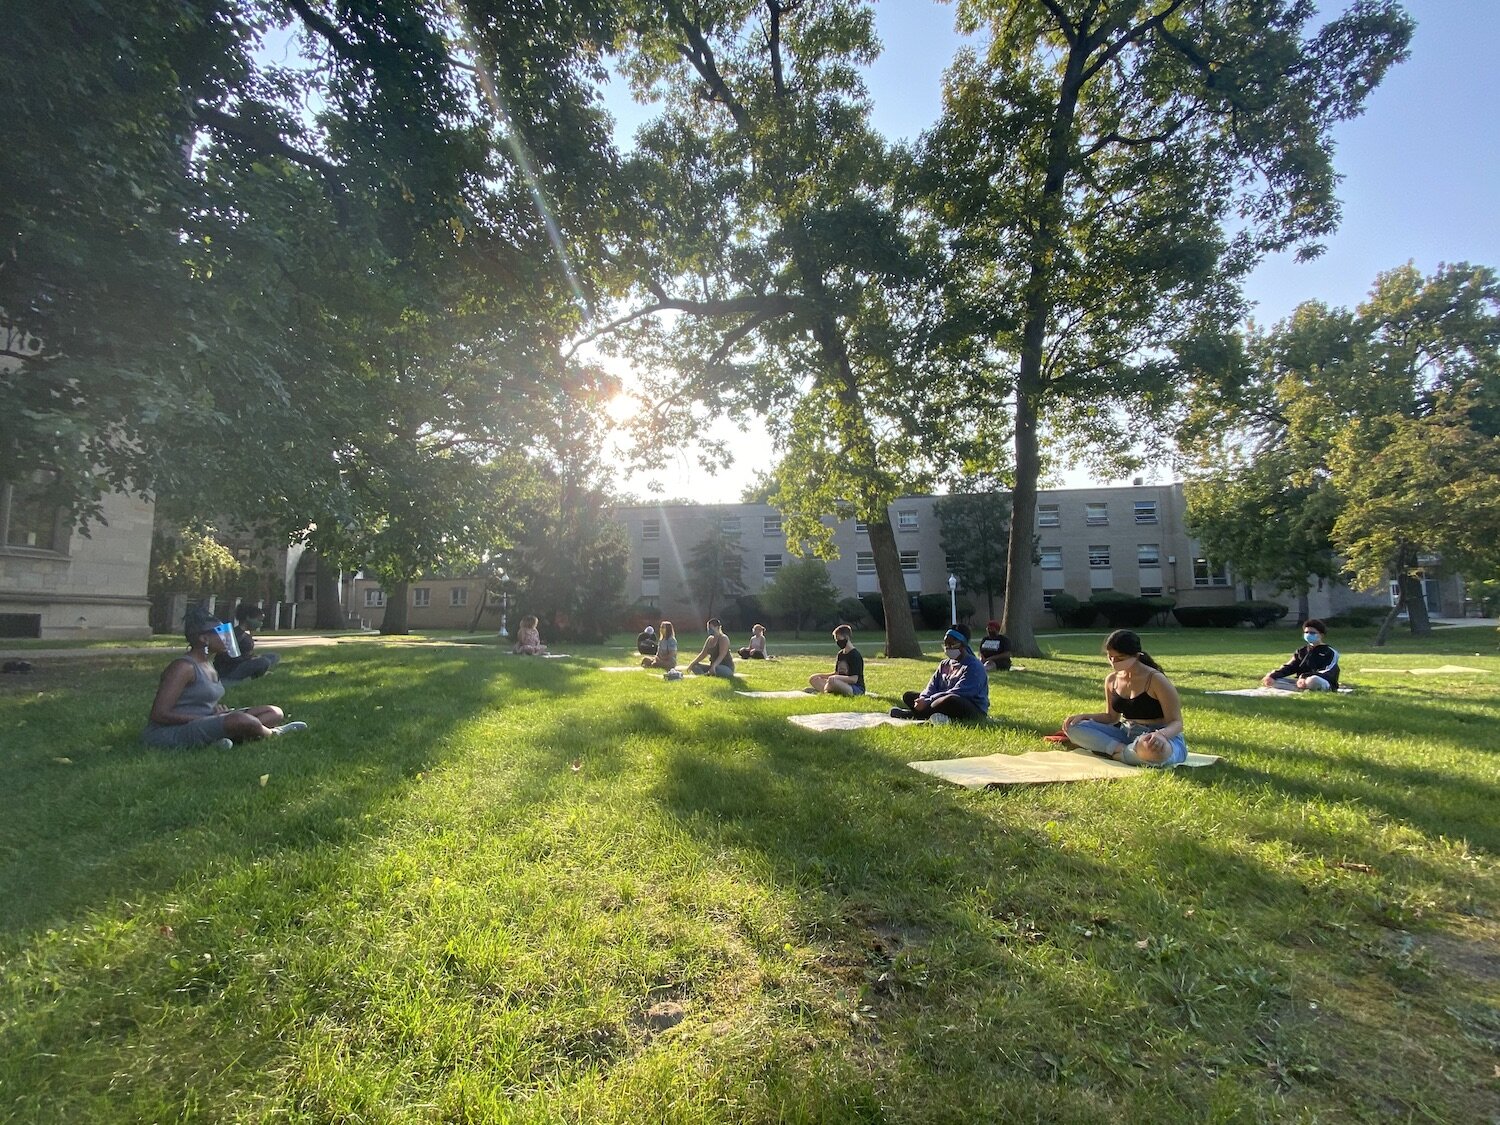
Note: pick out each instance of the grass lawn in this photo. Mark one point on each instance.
(493, 888)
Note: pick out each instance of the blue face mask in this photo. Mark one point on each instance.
(1310, 638)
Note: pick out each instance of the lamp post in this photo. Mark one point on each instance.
(953, 599)
(504, 606)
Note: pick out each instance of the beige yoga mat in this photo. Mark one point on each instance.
(775, 694)
(1266, 692)
(1039, 768)
(1444, 670)
(622, 668)
(851, 720)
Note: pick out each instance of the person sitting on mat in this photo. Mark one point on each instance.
(666, 650)
(959, 689)
(529, 638)
(1142, 721)
(848, 675)
(645, 644)
(756, 649)
(245, 666)
(1313, 667)
(187, 711)
(994, 649)
(715, 658)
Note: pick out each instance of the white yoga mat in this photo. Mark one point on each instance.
(1444, 670)
(1264, 692)
(775, 694)
(622, 668)
(1039, 768)
(850, 720)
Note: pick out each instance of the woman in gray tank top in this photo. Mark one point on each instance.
(187, 710)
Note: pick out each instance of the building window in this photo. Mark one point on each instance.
(1204, 575)
(861, 527)
(771, 525)
(1148, 554)
(773, 564)
(1145, 511)
(1096, 513)
(729, 525)
(909, 564)
(1047, 596)
(421, 597)
(1150, 591)
(864, 562)
(906, 519)
(1047, 515)
(950, 564)
(308, 593)
(1099, 556)
(374, 599)
(1051, 558)
(650, 569)
(651, 528)
(458, 597)
(30, 515)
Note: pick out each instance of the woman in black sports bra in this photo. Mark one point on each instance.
(1143, 723)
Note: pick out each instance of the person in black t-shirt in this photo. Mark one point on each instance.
(994, 649)
(848, 675)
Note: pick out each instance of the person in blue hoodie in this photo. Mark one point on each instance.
(1313, 667)
(959, 689)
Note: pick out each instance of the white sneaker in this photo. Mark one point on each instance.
(289, 728)
(938, 719)
(224, 744)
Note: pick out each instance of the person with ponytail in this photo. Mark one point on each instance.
(1142, 721)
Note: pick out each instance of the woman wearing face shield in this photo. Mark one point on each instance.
(959, 689)
(1142, 722)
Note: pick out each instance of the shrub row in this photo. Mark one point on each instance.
(1119, 611)
(1257, 614)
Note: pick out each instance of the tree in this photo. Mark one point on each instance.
(974, 527)
(1090, 168)
(715, 570)
(802, 591)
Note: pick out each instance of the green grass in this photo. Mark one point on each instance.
(474, 889)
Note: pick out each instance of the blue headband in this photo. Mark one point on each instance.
(956, 635)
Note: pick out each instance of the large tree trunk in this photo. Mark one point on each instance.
(1020, 578)
(1415, 597)
(1304, 606)
(1384, 632)
(329, 611)
(900, 630)
(394, 623)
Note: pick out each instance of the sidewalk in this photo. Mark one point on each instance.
(272, 642)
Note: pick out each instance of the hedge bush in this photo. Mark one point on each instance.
(1072, 613)
(1261, 614)
(1209, 616)
(852, 612)
(1122, 611)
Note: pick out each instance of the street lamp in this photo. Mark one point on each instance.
(953, 598)
(504, 606)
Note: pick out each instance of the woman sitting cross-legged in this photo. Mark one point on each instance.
(1142, 723)
(187, 711)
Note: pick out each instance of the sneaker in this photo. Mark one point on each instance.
(224, 744)
(288, 728)
(902, 713)
(937, 719)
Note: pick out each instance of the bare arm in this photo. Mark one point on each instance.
(1108, 715)
(174, 680)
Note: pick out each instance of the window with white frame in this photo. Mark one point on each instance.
(421, 597)
(951, 566)
(1205, 574)
(1098, 556)
(1145, 511)
(909, 562)
(773, 565)
(651, 527)
(31, 516)
(650, 568)
(861, 527)
(374, 599)
(729, 525)
(1050, 558)
(906, 519)
(1096, 513)
(1047, 595)
(1150, 591)
(771, 525)
(1048, 515)
(864, 562)
(458, 596)
(1148, 554)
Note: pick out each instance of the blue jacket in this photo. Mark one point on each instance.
(964, 677)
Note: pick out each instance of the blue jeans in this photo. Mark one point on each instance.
(700, 668)
(1118, 742)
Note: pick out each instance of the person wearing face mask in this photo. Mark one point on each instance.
(1142, 721)
(715, 658)
(1313, 667)
(848, 675)
(959, 689)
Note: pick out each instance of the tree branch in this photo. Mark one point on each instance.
(763, 308)
(266, 140)
(697, 52)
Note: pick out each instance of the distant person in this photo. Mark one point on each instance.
(994, 649)
(959, 689)
(666, 650)
(187, 710)
(715, 659)
(848, 675)
(529, 638)
(756, 649)
(1142, 721)
(645, 644)
(246, 666)
(1313, 667)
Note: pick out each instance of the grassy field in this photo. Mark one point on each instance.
(492, 888)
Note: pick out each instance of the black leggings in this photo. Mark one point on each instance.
(956, 708)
